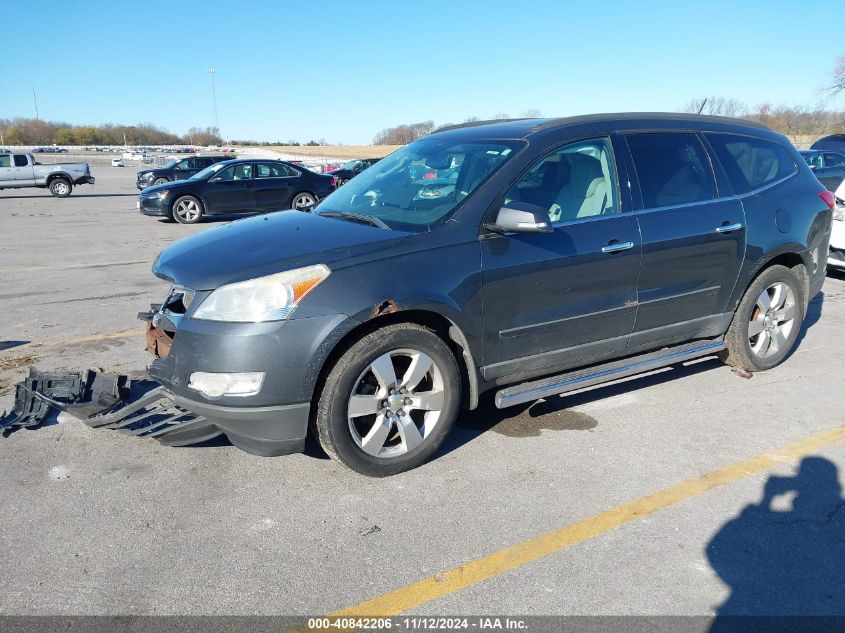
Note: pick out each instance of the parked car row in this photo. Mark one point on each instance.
(236, 186)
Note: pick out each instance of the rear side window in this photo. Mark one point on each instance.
(672, 168)
(834, 160)
(271, 170)
(20, 160)
(751, 162)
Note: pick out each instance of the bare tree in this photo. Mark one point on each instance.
(403, 134)
(499, 116)
(531, 113)
(717, 106)
(838, 83)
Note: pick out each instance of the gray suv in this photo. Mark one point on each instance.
(545, 255)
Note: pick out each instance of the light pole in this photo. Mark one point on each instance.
(211, 72)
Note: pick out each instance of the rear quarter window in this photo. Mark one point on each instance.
(751, 163)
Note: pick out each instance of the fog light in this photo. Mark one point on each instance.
(214, 385)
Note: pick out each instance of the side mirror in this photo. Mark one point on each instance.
(216, 179)
(521, 217)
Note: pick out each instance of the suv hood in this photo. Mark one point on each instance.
(266, 244)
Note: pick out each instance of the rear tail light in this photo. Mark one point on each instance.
(829, 199)
(334, 181)
(430, 175)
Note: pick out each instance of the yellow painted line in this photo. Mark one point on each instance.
(476, 571)
(81, 339)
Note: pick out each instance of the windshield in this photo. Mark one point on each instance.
(421, 183)
(211, 169)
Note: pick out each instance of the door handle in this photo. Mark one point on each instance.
(617, 247)
(728, 228)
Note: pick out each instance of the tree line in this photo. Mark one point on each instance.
(22, 131)
(796, 120)
(408, 132)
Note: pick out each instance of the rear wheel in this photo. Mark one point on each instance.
(389, 401)
(767, 322)
(61, 187)
(187, 210)
(303, 201)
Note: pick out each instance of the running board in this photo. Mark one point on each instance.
(563, 383)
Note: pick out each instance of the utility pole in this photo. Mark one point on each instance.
(212, 71)
(35, 101)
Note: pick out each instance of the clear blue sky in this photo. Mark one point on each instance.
(344, 70)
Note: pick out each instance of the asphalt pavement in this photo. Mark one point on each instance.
(648, 496)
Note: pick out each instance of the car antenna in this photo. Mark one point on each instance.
(703, 103)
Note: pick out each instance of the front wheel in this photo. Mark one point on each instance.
(389, 401)
(187, 210)
(61, 188)
(160, 181)
(767, 322)
(303, 201)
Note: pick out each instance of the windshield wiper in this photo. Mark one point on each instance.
(356, 217)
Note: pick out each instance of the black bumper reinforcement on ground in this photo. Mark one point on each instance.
(103, 401)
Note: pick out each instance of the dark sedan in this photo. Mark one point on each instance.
(829, 167)
(236, 186)
(348, 171)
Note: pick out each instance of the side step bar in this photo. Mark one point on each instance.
(563, 383)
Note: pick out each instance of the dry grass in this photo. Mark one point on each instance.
(333, 151)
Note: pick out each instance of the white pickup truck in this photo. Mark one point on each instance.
(19, 170)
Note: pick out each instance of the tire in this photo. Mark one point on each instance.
(341, 182)
(388, 432)
(303, 201)
(187, 210)
(767, 322)
(160, 181)
(61, 187)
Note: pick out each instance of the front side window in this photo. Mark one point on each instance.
(236, 172)
(184, 164)
(751, 162)
(20, 160)
(574, 182)
(672, 168)
(5, 160)
(420, 184)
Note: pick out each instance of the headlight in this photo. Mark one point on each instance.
(161, 195)
(270, 298)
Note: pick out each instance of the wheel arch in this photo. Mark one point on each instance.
(59, 174)
(443, 326)
(797, 261)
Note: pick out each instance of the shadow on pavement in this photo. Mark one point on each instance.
(532, 418)
(785, 556)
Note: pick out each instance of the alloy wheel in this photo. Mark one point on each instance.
(303, 201)
(187, 210)
(772, 320)
(396, 403)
